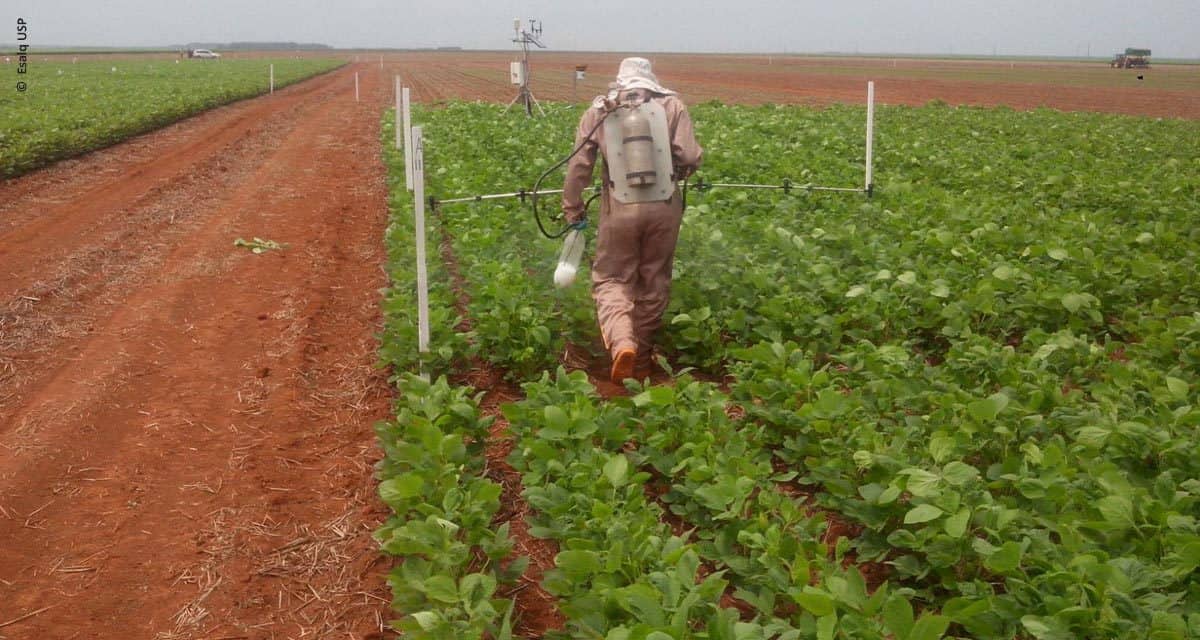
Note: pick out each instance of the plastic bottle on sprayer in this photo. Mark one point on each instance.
(568, 260)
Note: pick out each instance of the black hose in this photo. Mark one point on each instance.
(538, 184)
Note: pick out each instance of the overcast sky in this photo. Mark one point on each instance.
(1007, 27)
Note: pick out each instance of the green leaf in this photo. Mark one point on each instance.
(888, 495)
(1178, 388)
(856, 291)
(1094, 437)
(908, 277)
(1075, 301)
(1168, 626)
(441, 589)
(956, 525)
(1058, 254)
(1186, 558)
(922, 513)
(1116, 510)
(815, 601)
(920, 482)
(898, 616)
(578, 564)
(1006, 559)
(929, 627)
(1047, 628)
(428, 620)
(826, 627)
(658, 396)
(617, 470)
(962, 610)
(959, 473)
(475, 589)
(401, 487)
(506, 625)
(556, 418)
(941, 447)
(987, 409)
(1003, 272)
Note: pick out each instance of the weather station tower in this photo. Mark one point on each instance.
(518, 71)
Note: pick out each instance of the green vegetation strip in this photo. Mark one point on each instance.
(69, 109)
(989, 370)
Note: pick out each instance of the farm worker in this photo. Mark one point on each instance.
(640, 210)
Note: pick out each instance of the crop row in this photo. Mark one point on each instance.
(69, 109)
(433, 475)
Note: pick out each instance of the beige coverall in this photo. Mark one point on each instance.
(635, 246)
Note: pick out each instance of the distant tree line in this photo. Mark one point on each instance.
(253, 46)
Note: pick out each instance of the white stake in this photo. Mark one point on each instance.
(408, 141)
(399, 110)
(356, 86)
(419, 224)
(272, 77)
(870, 135)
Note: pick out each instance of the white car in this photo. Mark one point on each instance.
(205, 53)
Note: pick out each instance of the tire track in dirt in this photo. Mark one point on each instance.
(191, 455)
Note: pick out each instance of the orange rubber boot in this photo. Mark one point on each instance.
(622, 366)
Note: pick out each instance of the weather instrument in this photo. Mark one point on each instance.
(519, 71)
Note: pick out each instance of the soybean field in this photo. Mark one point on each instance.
(71, 107)
(965, 407)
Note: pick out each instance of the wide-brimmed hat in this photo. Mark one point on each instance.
(635, 73)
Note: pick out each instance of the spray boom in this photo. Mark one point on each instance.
(787, 185)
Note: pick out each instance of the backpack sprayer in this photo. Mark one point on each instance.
(635, 172)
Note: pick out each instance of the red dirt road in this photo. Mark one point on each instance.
(185, 427)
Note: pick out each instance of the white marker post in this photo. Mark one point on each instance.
(870, 136)
(356, 86)
(419, 229)
(408, 141)
(272, 77)
(399, 130)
